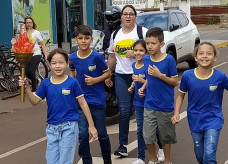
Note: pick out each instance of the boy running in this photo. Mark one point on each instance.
(91, 70)
(161, 78)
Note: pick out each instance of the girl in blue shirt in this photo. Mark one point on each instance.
(205, 87)
(62, 94)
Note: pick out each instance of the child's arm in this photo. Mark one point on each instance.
(138, 79)
(32, 98)
(131, 88)
(142, 89)
(178, 104)
(84, 106)
(154, 71)
(72, 73)
(93, 80)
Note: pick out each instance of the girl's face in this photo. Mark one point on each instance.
(139, 52)
(205, 56)
(128, 17)
(58, 65)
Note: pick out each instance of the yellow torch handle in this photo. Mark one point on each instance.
(22, 87)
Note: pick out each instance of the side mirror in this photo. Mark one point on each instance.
(173, 27)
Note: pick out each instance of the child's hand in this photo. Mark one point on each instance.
(141, 92)
(135, 78)
(89, 80)
(175, 119)
(131, 89)
(154, 71)
(23, 82)
(93, 132)
(108, 82)
(129, 53)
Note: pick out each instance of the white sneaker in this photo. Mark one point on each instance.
(150, 162)
(138, 161)
(160, 155)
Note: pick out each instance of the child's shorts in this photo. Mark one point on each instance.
(161, 120)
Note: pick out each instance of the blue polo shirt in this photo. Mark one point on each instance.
(159, 94)
(61, 99)
(204, 99)
(93, 65)
(140, 71)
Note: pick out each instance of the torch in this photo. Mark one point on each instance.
(23, 50)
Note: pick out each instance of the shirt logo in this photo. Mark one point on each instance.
(142, 75)
(123, 45)
(213, 87)
(93, 67)
(65, 91)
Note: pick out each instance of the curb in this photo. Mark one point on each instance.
(222, 45)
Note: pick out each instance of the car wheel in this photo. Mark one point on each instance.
(172, 54)
(111, 103)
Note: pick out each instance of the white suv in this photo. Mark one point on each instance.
(180, 33)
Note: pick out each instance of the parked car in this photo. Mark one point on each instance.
(180, 33)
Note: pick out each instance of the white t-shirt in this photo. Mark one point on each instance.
(36, 34)
(121, 43)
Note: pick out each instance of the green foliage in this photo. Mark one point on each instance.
(211, 20)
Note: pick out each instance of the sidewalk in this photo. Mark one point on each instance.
(217, 43)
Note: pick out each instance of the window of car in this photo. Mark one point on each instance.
(153, 20)
(182, 19)
(174, 22)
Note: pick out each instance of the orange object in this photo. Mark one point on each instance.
(23, 50)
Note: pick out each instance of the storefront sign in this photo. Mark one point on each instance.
(138, 4)
(45, 34)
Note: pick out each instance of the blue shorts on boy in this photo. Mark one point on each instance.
(204, 112)
(62, 117)
(159, 96)
(92, 65)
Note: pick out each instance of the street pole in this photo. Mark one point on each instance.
(185, 6)
(161, 5)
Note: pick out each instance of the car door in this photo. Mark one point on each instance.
(175, 31)
(186, 34)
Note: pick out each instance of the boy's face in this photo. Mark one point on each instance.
(84, 41)
(58, 65)
(205, 56)
(153, 45)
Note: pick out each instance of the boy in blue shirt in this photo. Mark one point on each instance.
(161, 78)
(205, 87)
(90, 68)
(60, 92)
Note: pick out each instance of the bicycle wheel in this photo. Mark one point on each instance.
(10, 72)
(42, 70)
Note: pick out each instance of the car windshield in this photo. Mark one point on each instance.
(153, 20)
